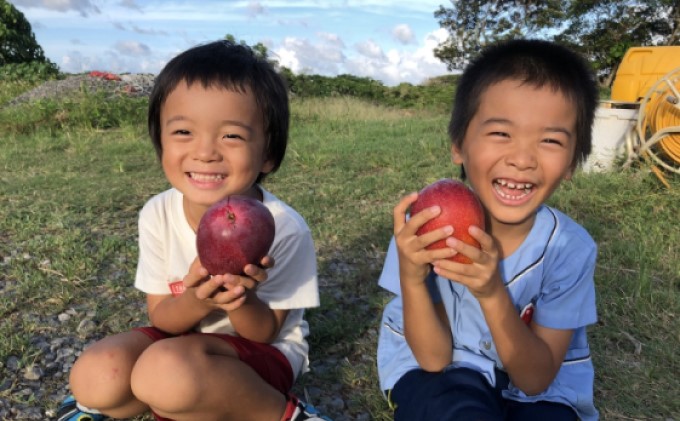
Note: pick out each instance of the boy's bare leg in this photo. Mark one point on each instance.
(100, 378)
(201, 377)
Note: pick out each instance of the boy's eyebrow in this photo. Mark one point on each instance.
(559, 130)
(237, 123)
(174, 119)
(554, 129)
(224, 122)
(495, 120)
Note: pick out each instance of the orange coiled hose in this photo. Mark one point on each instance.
(665, 114)
(659, 125)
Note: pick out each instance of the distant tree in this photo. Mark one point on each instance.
(602, 30)
(260, 49)
(476, 23)
(17, 42)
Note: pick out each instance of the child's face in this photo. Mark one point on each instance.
(213, 143)
(517, 149)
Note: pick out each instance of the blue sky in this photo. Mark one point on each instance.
(391, 41)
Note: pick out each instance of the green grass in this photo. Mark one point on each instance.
(71, 193)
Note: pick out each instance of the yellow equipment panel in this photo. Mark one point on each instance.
(640, 68)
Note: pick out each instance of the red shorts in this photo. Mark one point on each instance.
(267, 361)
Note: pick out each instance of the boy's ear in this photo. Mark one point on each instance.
(456, 156)
(570, 171)
(267, 166)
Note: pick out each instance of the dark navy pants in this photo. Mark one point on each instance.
(463, 394)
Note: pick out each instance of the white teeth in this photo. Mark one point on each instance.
(206, 177)
(511, 185)
(501, 184)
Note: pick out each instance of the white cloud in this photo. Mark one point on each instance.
(327, 55)
(331, 39)
(84, 7)
(130, 4)
(370, 49)
(110, 61)
(324, 57)
(435, 37)
(403, 33)
(132, 48)
(74, 62)
(397, 66)
(255, 8)
(147, 31)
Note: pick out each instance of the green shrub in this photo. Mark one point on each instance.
(82, 110)
(436, 93)
(32, 72)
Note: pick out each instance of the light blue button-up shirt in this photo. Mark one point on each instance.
(552, 271)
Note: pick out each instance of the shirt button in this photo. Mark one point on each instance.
(487, 345)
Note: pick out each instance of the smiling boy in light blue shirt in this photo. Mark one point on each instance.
(503, 338)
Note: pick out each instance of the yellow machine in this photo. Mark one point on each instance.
(649, 79)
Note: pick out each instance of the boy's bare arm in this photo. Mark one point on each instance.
(250, 316)
(531, 355)
(428, 335)
(175, 315)
(179, 314)
(227, 293)
(254, 319)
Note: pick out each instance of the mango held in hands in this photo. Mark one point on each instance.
(460, 208)
(232, 233)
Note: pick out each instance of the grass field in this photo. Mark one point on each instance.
(71, 191)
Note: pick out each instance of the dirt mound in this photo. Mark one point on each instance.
(135, 85)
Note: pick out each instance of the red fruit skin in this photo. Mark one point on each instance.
(460, 208)
(232, 233)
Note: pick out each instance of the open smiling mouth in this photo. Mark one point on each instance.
(206, 178)
(511, 190)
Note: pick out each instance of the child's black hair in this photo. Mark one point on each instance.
(536, 63)
(225, 64)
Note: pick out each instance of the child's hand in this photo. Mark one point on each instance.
(196, 279)
(481, 276)
(414, 258)
(228, 291)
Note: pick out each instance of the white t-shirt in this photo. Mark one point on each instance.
(167, 247)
